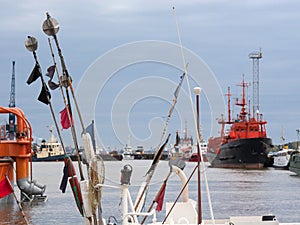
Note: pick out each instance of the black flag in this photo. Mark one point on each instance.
(158, 155)
(45, 95)
(52, 85)
(35, 74)
(64, 180)
(179, 86)
(50, 73)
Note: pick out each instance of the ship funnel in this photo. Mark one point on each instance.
(31, 188)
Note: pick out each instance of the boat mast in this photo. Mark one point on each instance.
(228, 105)
(185, 131)
(223, 121)
(243, 102)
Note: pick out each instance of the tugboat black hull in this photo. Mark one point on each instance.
(249, 153)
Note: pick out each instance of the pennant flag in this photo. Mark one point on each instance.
(179, 85)
(5, 188)
(177, 140)
(52, 85)
(160, 199)
(64, 119)
(50, 73)
(45, 95)
(35, 74)
(90, 130)
(68, 171)
(158, 155)
(64, 180)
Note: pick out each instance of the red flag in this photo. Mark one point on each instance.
(160, 199)
(64, 119)
(5, 188)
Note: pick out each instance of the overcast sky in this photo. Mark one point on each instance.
(222, 33)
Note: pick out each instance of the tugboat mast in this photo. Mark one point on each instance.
(243, 102)
(228, 104)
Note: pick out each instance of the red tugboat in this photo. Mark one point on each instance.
(245, 144)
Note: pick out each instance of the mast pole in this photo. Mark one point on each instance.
(228, 104)
(51, 27)
(197, 91)
(31, 45)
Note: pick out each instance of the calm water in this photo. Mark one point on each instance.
(233, 192)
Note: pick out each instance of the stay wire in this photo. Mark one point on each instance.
(194, 116)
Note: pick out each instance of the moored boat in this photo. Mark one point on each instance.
(282, 158)
(186, 149)
(48, 150)
(245, 144)
(203, 152)
(294, 163)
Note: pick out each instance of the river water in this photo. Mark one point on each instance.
(233, 192)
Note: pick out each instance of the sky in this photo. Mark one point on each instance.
(100, 40)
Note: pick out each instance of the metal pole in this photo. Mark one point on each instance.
(51, 27)
(197, 91)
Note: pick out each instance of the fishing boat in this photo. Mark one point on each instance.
(203, 151)
(141, 154)
(127, 153)
(243, 142)
(48, 150)
(88, 191)
(282, 158)
(111, 156)
(186, 149)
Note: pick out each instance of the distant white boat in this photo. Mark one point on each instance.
(282, 158)
(127, 154)
(49, 150)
